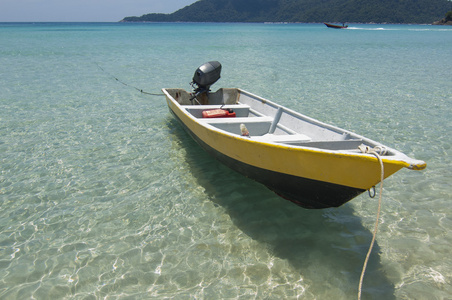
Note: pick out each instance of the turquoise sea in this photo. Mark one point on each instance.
(104, 196)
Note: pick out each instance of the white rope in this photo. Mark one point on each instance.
(377, 151)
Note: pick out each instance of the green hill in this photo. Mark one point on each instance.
(353, 11)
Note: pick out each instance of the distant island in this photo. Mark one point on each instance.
(305, 11)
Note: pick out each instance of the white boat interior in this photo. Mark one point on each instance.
(269, 122)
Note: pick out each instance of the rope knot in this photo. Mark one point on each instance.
(378, 150)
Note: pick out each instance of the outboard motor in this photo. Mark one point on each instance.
(206, 75)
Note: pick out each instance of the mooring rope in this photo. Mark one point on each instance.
(128, 85)
(377, 151)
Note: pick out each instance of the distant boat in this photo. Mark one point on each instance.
(310, 163)
(343, 26)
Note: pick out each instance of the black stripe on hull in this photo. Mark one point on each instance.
(304, 192)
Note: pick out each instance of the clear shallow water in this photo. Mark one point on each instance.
(103, 195)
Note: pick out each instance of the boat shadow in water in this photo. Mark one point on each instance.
(327, 247)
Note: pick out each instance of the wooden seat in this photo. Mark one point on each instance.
(241, 110)
(256, 126)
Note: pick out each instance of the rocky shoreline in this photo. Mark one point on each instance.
(442, 22)
(446, 21)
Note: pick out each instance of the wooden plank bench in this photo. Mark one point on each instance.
(241, 110)
(283, 138)
(256, 125)
(348, 145)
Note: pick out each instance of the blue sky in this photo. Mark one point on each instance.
(83, 10)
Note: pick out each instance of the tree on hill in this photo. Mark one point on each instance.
(449, 16)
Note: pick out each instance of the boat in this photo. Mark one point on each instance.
(313, 164)
(343, 26)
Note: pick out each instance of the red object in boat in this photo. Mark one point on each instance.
(218, 113)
